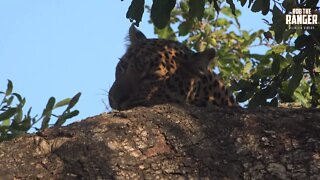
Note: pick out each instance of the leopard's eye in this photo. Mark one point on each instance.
(151, 77)
(121, 68)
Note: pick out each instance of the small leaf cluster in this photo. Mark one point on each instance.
(160, 11)
(13, 121)
(293, 74)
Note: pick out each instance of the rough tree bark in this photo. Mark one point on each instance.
(171, 141)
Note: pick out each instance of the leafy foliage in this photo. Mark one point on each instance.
(289, 71)
(135, 11)
(160, 13)
(14, 123)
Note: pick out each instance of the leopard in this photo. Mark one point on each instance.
(158, 71)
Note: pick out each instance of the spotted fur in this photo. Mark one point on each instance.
(155, 71)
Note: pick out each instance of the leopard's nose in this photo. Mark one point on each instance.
(117, 96)
(113, 103)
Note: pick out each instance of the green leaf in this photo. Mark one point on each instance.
(257, 100)
(274, 102)
(62, 103)
(247, 67)
(312, 4)
(8, 114)
(243, 2)
(264, 59)
(24, 125)
(222, 22)
(184, 7)
(135, 11)
(62, 119)
(298, 59)
(288, 33)
(257, 6)
(47, 112)
(244, 95)
(19, 115)
(301, 98)
(245, 35)
(241, 96)
(232, 6)
(284, 61)
(212, 41)
(45, 122)
(18, 125)
(301, 41)
(184, 28)
(271, 90)
(250, 2)
(73, 101)
(49, 106)
(278, 49)
(311, 58)
(5, 123)
(19, 97)
(228, 12)
(294, 82)
(253, 37)
(275, 66)
(166, 33)
(209, 14)
(245, 85)
(29, 112)
(160, 12)
(196, 8)
(288, 4)
(216, 5)
(279, 25)
(9, 101)
(9, 88)
(265, 7)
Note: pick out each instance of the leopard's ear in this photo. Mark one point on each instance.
(135, 35)
(202, 60)
(198, 63)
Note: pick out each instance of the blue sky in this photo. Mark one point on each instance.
(58, 48)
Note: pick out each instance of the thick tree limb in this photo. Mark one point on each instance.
(170, 141)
